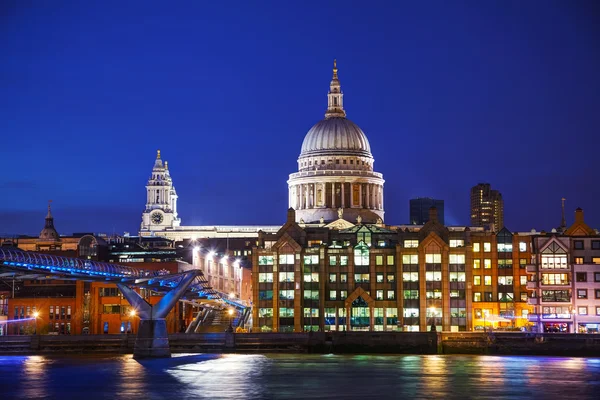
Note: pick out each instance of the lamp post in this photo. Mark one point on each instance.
(230, 311)
(432, 311)
(131, 315)
(484, 315)
(35, 315)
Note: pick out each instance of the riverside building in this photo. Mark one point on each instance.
(564, 279)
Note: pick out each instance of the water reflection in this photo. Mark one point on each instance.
(298, 376)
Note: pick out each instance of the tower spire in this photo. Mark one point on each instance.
(335, 105)
(49, 215)
(563, 221)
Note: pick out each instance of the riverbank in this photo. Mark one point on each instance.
(505, 343)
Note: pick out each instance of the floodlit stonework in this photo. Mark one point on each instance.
(335, 169)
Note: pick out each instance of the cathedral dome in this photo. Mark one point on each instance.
(336, 135)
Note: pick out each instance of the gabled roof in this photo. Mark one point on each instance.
(373, 228)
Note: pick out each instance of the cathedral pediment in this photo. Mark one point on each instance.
(340, 224)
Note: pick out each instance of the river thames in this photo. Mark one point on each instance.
(295, 376)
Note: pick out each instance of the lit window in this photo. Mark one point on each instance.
(312, 277)
(391, 295)
(457, 258)
(411, 243)
(378, 260)
(286, 312)
(410, 259)
(582, 310)
(311, 260)
(265, 312)
(286, 259)
(476, 248)
(476, 280)
(379, 278)
(487, 247)
(433, 258)
(457, 243)
(476, 264)
(390, 260)
(379, 295)
(487, 280)
(332, 278)
(361, 255)
(477, 296)
(332, 260)
(265, 260)
(523, 280)
(343, 278)
(487, 263)
(332, 294)
(343, 260)
(265, 277)
(522, 246)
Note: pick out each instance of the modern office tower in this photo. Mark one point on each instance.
(419, 210)
(487, 207)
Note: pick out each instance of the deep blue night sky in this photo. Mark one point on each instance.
(449, 94)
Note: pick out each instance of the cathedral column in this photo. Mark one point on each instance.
(360, 204)
(343, 199)
(381, 190)
(301, 197)
(332, 194)
(367, 199)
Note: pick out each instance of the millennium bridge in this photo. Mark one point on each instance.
(152, 337)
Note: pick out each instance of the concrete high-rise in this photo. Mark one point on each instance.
(487, 207)
(419, 210)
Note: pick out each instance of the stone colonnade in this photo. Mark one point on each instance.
(336, 195)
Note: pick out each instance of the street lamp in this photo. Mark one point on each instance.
(35, 315)
(131, 315)
(230, 311)
(432, 311)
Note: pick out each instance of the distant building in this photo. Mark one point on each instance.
(487, 207)
(419, 210)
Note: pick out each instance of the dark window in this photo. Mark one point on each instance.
(597, 293)
(596, 244)
(487, 296)
(581, 276)
(596, 276)
(578, 244)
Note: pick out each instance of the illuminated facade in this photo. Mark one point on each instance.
(378, 277)
(565, 280)
(487, 207)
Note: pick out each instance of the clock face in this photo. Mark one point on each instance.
(156, 218)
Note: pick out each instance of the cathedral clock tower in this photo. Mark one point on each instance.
(161, 199)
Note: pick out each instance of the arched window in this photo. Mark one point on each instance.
(361, 254)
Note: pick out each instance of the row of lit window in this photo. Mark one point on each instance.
(502, 280)
(267, 277)
(502, 296)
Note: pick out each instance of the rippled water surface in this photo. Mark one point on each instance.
(296, 376)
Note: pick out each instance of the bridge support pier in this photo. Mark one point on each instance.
(152, 339)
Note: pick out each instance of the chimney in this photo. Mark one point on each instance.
(433, 216)
(579, 215)
(291, 215)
